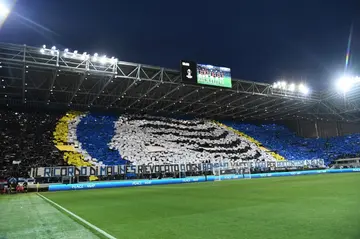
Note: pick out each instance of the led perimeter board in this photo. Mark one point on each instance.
(214, 75)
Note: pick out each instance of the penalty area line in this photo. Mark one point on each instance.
(102, 232)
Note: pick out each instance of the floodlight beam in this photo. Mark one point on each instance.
(4, 10)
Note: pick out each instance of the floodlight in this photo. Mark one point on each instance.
(113, 60)
(44, 46)
(75, 52)
(66, 50)
(304, 89)
(292, 87)
(4, 10)
(344, 84)
(103, 60)
(94, 59)
(53, 48)
(42, 50)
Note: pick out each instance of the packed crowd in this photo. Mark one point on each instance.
(26, 142)
(292, 147)
(31, 139)
(159, 140)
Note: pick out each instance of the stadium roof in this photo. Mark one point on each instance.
(49, 78)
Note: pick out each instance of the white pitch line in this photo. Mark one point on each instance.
(107, 235)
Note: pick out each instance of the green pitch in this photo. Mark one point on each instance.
(27, 216)
(311, 207)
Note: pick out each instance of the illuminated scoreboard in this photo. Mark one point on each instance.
(202, 74)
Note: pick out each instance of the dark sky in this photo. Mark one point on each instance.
(261, 40)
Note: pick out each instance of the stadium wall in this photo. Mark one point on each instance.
(133, 183)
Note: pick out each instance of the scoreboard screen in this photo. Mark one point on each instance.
(214, 75)
(193, 73)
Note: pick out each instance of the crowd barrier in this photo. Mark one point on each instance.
(132, 183)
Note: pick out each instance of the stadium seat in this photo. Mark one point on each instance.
(292, 147)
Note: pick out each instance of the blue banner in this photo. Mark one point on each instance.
(133, 183)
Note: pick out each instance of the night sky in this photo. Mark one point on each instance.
(261, 40)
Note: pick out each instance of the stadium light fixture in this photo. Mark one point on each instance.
(95, 57)
(51, 51)
(66, 51)
(283, 85)
(79, 56)
(103, 60)
(42, 50)
(292, 87)
(84, 56)
(280, 85)
(4, 10)
(345, 83)
(304, 89)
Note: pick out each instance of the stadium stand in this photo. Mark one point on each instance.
(26, 141)
(109, 140)
(30, 139)
(94, 132)
(65, 139)
(292, 147)
(159, 140)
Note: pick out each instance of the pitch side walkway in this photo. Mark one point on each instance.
(29, 216)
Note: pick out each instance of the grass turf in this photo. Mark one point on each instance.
(27, 216)
(320, 206)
